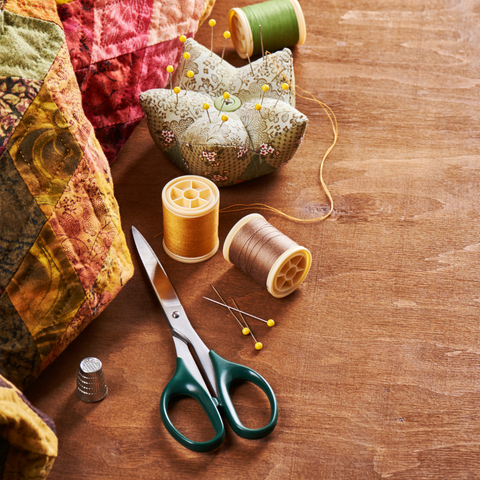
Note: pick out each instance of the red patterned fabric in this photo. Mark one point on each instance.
(119, 49)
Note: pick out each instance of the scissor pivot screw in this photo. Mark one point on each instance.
(175, 314)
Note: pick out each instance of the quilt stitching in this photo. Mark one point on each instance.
(27, 24)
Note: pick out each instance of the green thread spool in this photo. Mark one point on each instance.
(282, 21)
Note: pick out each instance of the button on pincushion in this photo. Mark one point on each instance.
(252, 142)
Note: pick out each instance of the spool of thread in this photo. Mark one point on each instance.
(190, 219)
(282, 21)
(266, 254)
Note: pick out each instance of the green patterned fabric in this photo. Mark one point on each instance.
(35, 43)
(251, 142)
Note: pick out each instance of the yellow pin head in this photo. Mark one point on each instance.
(224, 118)
(246, 331)
(285, 86)
(258, 346)
(212, 22)
(190, 74)
(226, 95)
(265, 88)
(258, 107)
(186, 55)
(270, 323)
(206, 106)
(169, 69)
(226, 34)
(182, 38)
(177, 90)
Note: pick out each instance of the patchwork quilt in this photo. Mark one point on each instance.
(63, 255)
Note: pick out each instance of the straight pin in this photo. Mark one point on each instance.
(185, 56)
(226, 35)
(190, 75)
(231, 311)
(177, 90)
(206, 106)
(225, 96)
(251, 68)
(258, 345)
(170, 70)
(269, 322)
(212, 23)
(261, 42)
(265, 88)
(285, 87)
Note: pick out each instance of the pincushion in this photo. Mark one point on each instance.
(251, 142)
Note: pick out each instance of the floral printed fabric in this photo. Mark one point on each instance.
(251, 142)
(16, 94)
(213, 76)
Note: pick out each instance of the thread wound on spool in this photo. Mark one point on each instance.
(267, 255)
(190, 218)
(282, 21)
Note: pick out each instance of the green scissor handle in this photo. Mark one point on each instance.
(183, 383)
(227, 372)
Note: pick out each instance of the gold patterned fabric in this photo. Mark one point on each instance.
(28, 441)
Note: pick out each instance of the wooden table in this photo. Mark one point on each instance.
(375, 359)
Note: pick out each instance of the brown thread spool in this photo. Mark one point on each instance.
(267, 255)
(190, 219)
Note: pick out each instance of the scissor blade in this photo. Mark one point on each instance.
(161, 284)
(175, 315)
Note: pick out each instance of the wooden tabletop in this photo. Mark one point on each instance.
(375, 358)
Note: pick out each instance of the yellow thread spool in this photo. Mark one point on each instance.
(190, 218)
(286, 272)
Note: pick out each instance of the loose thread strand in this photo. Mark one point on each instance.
(333, 121)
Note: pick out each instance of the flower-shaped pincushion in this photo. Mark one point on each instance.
(251, 142)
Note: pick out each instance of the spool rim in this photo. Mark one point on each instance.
(280, 263)
(204, 193)
(239, 27)
(181, 259)
(233, 232)
(302, 27)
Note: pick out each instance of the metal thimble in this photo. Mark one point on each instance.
(91, 385)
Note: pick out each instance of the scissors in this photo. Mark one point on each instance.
(187, 379)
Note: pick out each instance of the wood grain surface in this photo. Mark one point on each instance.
(375, 358)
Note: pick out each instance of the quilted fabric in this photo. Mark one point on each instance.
(120, 48)
(250, 143)
(63, 255)
(28, 441)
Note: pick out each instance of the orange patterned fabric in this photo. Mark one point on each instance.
(44, 10)
(63, 88)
